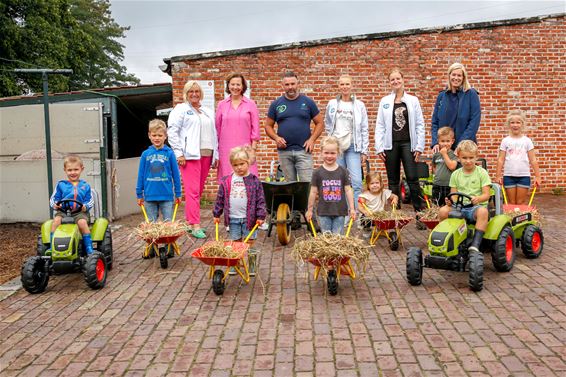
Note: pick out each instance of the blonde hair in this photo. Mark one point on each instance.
(156, 125)
(347, 77)
(188, 86)
(516, 114)
(395, 70)
(72, 159)
(465, 83)
(467, 146)
(329, 140)
(240, 154)
(446, 131)
(372, 177)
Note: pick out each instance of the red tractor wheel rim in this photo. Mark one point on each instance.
(509, 248)
(535, 242)
(100, 270)
(403, 192)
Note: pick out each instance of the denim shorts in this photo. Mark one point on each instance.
(512, 182)
(332, 224)
(239, 230)
(469, 213)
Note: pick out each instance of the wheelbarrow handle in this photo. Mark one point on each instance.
(312, 227)
(251, 232)
(216, 230)
(175, 212)
(349, 226)
(504, 194)
(532, 195)
(144, 213)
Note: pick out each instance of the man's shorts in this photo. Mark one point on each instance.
(513, 182)
(76, 216)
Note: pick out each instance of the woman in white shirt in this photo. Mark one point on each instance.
(400, 136)
(346, 119)
(192, 136)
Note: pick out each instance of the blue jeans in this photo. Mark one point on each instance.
(352, 161)
(153, 208)
(239, 230)
(332, 224)
(296, 165)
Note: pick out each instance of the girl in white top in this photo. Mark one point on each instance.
(375, 197)
(516, 156)
(192, 136)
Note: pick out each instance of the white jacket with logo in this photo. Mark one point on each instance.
(384, 124)
(183, 131)
(360, 129)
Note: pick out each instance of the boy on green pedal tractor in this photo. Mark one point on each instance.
(474, 181)
(71, 191)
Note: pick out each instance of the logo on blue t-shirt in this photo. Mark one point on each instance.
(281, 108)
(304, 106)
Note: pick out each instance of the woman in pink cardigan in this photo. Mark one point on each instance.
(237, 124)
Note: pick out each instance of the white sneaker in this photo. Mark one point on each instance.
(228, 228)
(263, 226)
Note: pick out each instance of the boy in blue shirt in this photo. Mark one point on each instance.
(73, 188)
(159, 182)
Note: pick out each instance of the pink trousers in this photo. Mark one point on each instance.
(194, 175)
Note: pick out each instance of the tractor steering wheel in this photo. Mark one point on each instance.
(66, 206)
(459, 202)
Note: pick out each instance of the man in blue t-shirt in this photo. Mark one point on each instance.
(293, 113)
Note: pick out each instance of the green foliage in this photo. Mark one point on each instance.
(76, 34)
(558, 191)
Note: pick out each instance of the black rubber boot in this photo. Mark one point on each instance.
(476, 241)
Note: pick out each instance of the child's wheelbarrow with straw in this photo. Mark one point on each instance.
(526, 227)
(238, 262)
(335, 268)
(390, 228)
(169, 240)
(429, 223)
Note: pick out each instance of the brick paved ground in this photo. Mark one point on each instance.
(149, 321)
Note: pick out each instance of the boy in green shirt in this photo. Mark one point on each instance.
(474, 181)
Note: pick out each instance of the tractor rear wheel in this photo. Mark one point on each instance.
(532, 242)
(476, 271)
(34, 275)
(503, 253)
(414, 266)
(95, 270)
(106, 248)
(332, 282)
(405, 192)
(41, 247)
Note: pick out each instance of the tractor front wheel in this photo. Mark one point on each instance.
(95, 271)
(34, 275)
(332, 282)
(503, 254)
(415, 266)
(218, 283)
(476, 271)
(532, 242)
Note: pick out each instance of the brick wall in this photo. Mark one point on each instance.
(514, 64)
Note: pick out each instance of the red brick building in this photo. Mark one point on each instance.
(514, 64)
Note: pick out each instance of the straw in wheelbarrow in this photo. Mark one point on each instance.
(160, 229)
(219, 249)
(327, 248)
(394, 214)
(429, 214)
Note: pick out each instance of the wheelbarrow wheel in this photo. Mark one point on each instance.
(394, 241)
(532, 242)
(163, 257)
(332, 282)
(283, 224)
(217, 283)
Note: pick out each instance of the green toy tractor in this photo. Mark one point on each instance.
(449, 241)
(66, 254)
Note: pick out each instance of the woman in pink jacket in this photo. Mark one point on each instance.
(237, 124)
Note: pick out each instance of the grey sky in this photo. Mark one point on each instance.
(162, 29)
